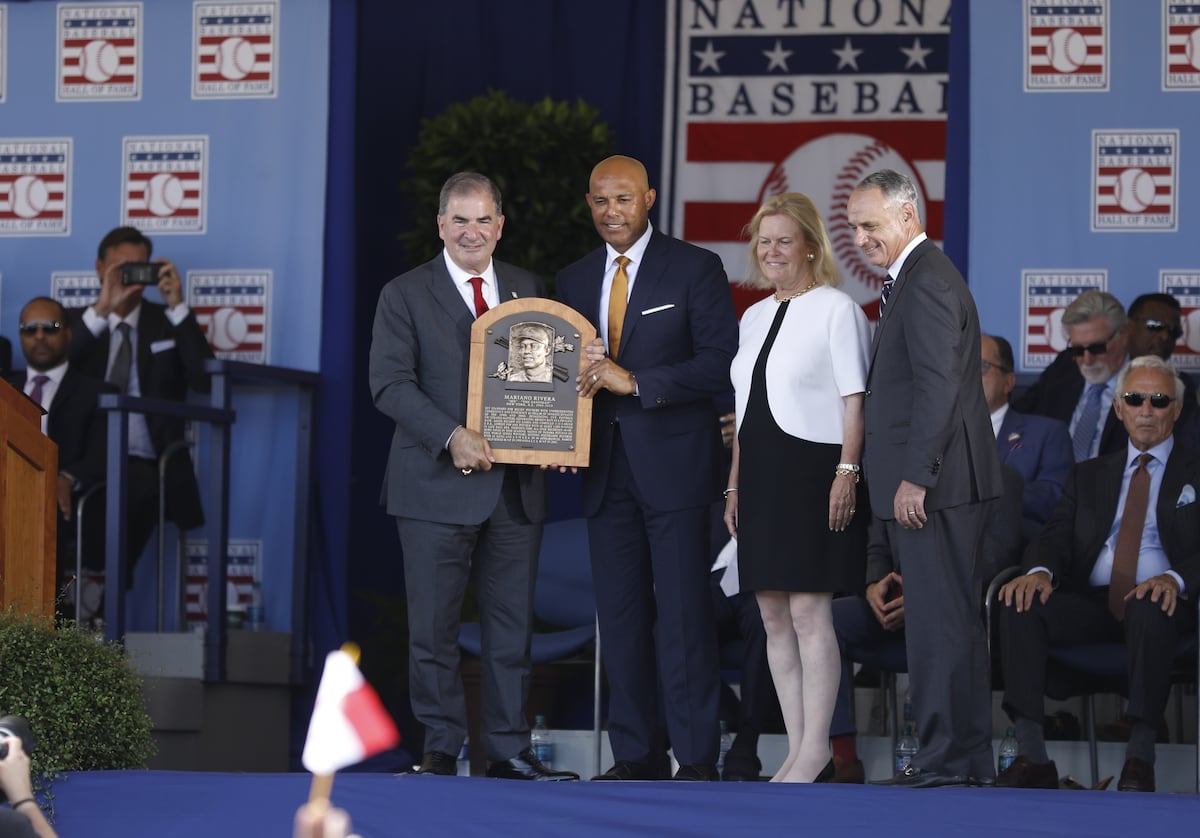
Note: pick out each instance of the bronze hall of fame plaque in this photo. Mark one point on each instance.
(525, 355)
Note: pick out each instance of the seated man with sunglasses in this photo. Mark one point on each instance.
(1110, 566)
(1078, 387)
(1155, 326)
(73, 421)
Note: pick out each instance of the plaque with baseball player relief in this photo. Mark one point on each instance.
(521, 396)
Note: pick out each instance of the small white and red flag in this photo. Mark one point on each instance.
(349, 723)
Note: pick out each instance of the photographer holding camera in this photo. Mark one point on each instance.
(23, 818)
(146, 349)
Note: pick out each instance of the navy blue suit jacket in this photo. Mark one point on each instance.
(1040, 449)
(679, 337)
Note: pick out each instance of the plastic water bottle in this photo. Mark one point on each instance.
(906, 749)
(540, 741)
(1008, 750)
(254, 611)
(464, 759)
(726, 744)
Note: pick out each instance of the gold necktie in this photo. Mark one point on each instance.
(617, 301)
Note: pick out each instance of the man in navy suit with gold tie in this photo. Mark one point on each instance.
(666, 314)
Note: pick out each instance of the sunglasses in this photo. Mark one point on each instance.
(1158, 326)
(1157, 400)
(50, 327)
(1093, 348)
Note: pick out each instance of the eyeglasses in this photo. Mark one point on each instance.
(50, 327)
(1093, 348)
(1159, 326)
(984, 366)
(1157, 400)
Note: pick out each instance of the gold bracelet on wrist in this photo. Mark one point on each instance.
(842, 471)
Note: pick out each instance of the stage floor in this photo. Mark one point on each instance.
(200, 805)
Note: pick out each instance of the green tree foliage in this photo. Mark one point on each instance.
(540, 154)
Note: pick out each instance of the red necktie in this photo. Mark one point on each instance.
(480, 303)
(1129, 538)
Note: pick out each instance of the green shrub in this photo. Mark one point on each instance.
(540, 154)
(80, 695)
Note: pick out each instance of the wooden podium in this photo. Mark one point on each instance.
(28, 485)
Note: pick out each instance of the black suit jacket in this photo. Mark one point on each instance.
(170, 361)
(1072, 538)
(76, 424)
(1056, 393)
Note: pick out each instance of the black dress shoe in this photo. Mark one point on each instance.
(741, 767)
(848, 772)
(628, 771)
(525, 766)
(921, 778)
(1137, 775)
(1024, 773)
(697, 773)
(826, 775)
(435, 762)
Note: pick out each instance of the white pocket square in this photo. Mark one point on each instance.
(1188, 495)
(162, 345)
(657, 309)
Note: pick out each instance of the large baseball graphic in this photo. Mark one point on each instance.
(229, 329)
(827, 169)
(29, 196)
(235, 58)
(99, 61)
(1056, 335)
(1192, 50)
(163, 194)
(1067, 50)
(1134, 190)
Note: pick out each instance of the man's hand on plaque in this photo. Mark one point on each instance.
(470, 451)
(603, 373)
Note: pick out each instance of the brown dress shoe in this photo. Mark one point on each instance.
(845, 771)
(1137, 775)
(1024, 773)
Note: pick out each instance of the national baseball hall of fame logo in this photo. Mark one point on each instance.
(165, 184)
(764, 98)
(35, 179)
(232, 308)
(241, 569)
(1181, 46)
(75, 289)
(1046, 294)
(1135, 180)
(1185, 287)
(1066, 45)
(99, 52)
(236, 52)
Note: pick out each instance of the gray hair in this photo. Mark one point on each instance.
(467, 183)
(896, 188)
(1150, 362)
(1091, 303)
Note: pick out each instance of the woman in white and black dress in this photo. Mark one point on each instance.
(799, 377)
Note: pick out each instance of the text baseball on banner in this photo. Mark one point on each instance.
(764, 98)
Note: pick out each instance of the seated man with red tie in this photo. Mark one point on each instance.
(1110, 566)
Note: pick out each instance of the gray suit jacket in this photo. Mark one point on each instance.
(420, 357)
(926, 417)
